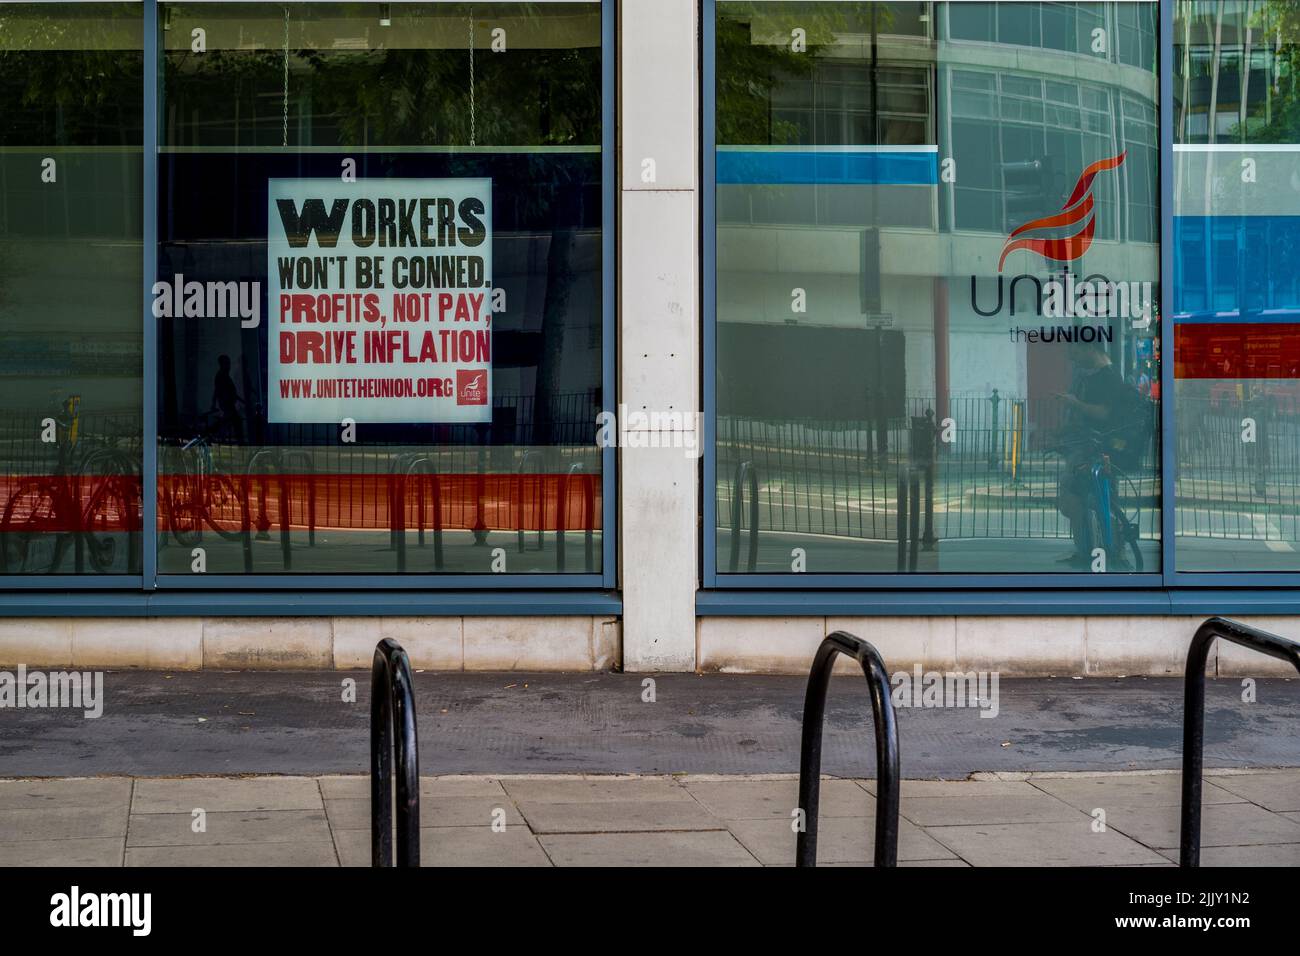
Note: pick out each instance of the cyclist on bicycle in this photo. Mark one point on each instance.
(1095, 405)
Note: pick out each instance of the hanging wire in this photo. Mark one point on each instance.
(285, 139)
(473, 119)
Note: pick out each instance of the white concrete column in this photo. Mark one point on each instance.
(659, 330)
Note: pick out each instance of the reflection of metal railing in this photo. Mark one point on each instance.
(745, 477)
(1238, 461)
(298, 480)
(414, 470)
(522, 479)
(810, 752)
(1189, 852)
(281, 466)
(909, 517)
(421, 469)
(996, 477)
(576, 470)
(393, 740)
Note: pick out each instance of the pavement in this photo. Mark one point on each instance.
(1251, 818)
(311, 723)
(268, 768)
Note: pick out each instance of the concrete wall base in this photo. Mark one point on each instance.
(1101, 646)
(321, 643)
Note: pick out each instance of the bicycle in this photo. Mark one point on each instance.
(1106, 524)
(90, 521)
(196, 494)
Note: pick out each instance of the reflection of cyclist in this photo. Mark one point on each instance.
(68, 421)
(1094, 405)
(226, 399)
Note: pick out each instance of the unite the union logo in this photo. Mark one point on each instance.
(471, 387)
(1077, 209)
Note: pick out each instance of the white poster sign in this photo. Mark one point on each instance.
(380, 298)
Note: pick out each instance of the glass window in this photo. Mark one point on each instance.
(380, 288)
(71, 279)
(1236, 299)
(956, 370)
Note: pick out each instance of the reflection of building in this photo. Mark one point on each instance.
(1232, 68)
(1237, 231)
(1020, 101)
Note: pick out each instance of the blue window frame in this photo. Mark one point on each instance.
(1213, 306)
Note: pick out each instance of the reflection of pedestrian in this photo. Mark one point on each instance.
(1094, 405)
(226, 400)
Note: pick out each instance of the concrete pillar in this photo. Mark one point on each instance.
(659, 330)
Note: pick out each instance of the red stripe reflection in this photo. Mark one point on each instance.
(1237, 351)
(54, 505)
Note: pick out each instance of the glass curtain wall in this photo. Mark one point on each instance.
(938, 280)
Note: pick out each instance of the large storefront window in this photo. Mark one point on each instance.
(937, 288)
(1237, 285)
(380, 288)
(70, 288)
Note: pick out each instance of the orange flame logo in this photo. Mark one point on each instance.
(1077, 208)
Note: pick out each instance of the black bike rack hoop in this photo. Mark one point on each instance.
(393, 740)
(810, 753)
(1189, 846)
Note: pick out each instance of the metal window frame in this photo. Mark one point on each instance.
(274, 593)
(731, 593)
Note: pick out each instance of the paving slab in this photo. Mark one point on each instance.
(1128, 790)
(924, 789)
(215, 794)
(1225, 824)
(1287, 854)
(89, 851)
(469, 811)
(64, 792)
(979, 808)
(62, 823)
(760, 799)
(608, 816)
(710, 848)
(1043, 844)
(231, 826)
(455, 846)
(235, 854)
(357, 787)
(596, 789)
(1024, 819)
(902, 863)
(1277, 790)
(839, 839)
(954, 861)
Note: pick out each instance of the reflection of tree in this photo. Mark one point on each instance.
(69, 80)
(73, 77)
(755, 55)
(416, 97)
(1275, 25)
